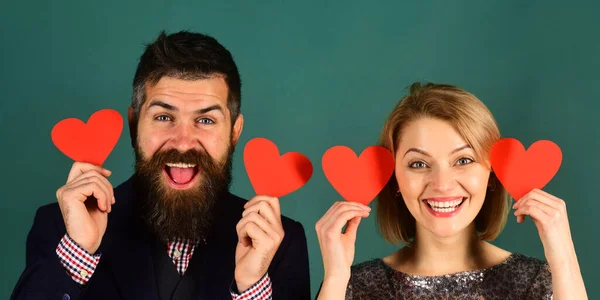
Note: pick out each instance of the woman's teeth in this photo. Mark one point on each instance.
(446, 206)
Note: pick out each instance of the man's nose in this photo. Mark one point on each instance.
(184, 138)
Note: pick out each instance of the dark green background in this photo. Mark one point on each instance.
(314, 75)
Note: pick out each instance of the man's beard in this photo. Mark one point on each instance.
(187, 214)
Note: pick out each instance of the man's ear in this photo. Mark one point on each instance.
(133, 120)
(237, 129)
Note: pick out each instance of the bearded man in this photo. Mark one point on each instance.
(173, 230)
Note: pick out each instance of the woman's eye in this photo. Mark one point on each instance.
(417, 165)
(464, 161)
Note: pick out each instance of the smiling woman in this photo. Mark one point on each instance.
(440, 157)
(445, 204)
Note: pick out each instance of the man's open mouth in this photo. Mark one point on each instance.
(181, 173)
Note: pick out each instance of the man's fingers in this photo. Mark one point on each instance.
(255, 232)
(272, 201)
(104, 185)
(261, 222)
(256, 229)
(85, 190)
(249, 231)
(95, 176)
(264, 209)
(79, 168)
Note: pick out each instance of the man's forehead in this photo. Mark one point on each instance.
(188, 93)
(213, 85)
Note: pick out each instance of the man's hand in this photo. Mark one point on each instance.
(260, 233)
(85, 201)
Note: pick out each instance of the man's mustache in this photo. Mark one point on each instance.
(191, 156)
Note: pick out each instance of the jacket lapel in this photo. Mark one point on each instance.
(127, 249)
(132, 266)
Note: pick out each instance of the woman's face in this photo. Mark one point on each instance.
(442, 184)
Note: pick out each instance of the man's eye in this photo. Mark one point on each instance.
(205, 121)
(163, 118)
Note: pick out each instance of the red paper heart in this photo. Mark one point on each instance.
(91, 142)
(521, 171)
(358, 179)
(274, 175)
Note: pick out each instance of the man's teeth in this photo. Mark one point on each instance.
(446, 206)
(180, 165)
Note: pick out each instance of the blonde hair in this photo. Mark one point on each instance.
(475, 124)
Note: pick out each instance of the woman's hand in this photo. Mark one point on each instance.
(549, 214)
(550, 217)
(337, 248)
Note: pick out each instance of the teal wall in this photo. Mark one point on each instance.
(315, 74)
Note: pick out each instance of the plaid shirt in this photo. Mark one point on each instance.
(80, 265)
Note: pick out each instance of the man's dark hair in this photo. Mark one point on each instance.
(188, 56)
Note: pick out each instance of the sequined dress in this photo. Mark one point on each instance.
(518, 277)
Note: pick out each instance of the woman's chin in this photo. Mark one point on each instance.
(448, 230)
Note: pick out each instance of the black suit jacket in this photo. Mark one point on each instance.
(126, 269)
